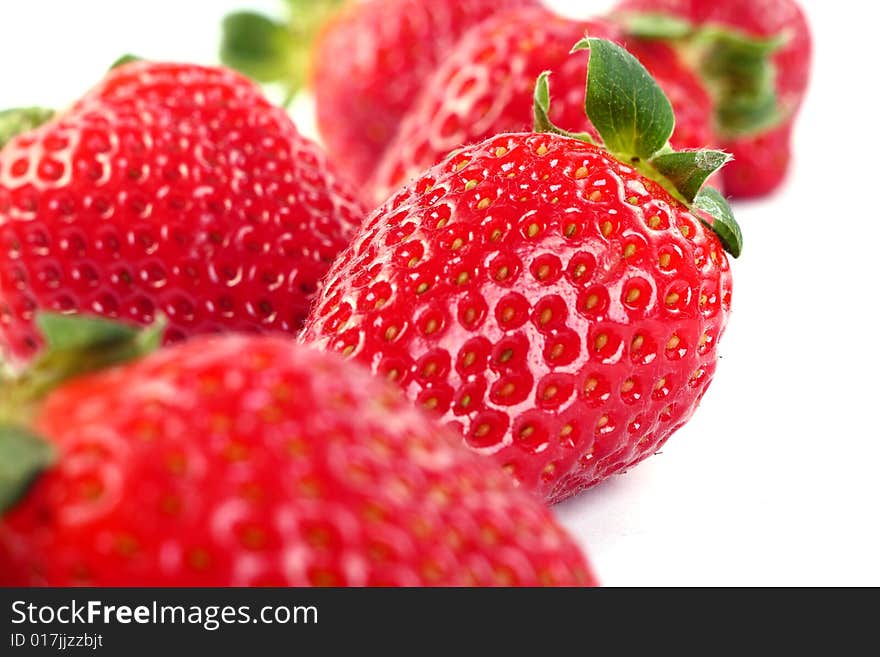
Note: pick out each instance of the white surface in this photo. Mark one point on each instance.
(775, 481)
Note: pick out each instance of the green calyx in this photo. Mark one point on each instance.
(737, 68)
(16, 121)
(75, 345)
(270, 50)
(635, 120)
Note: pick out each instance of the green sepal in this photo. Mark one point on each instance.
(23, 456)
(689, 170)
(542, 112)
(256, 45)
(723, 224)
(651, 25)
(127, 58)
(626, 106)
(15, 121)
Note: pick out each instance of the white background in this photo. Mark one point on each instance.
(775, 481)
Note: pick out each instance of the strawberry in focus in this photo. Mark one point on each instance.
(557, 304)
(485, 87)
(754, 55)
(249, 460)
(168, 188)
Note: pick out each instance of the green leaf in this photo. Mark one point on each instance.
(652, 25)
(81, 331)
(723, 224)
(23, 456)
(626, 106)
(256, 45)
(689, 170)
(16, 121)
(127, 58)
(542, 112)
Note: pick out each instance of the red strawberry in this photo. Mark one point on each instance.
(172, 188)
(485, 88)
(246, 460)
(759, 85)
(371, 62)
(558, 305)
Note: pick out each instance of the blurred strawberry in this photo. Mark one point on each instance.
(754, 56)
(168, 188)
(241, 461)
(368, 63)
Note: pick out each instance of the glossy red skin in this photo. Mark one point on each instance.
(486, 87)
(170, 188)
(371, 61)
(244, 461)
(479, 298)
(760, 161)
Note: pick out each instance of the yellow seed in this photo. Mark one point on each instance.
(543, 272)
(429, 370)
(391, 333)
(507, 390)
(533, 230)
(413, 262)
(546, 316)
(431, 403)
(685, 230)
(507, 314)
(637, 343)
(500, 151)
(457, 243)
(627, 386)
(431, 326)
(526, 431)
(557, 351)
(581, 173)
(596, 196)
(704, 339)
(672, 298)
(654, 222)
(442, 222)
(591, 384)
(470, 184)
(580, 270)
(566, 430)
(462, 278)
(465, 401)
(502, 273)
(629, 251)
(607, 228)
(632, 200)
(482, 430)
(469, 316)
(495, 236)
(601, 341)
(603, 421)
(570, 230)
(542, 150)
(633, 295)
(393, 374)
(348, 350)
(483, 204)
(461, 165)
(550, 392)
(422, 288)
(592, 301)
(703, 300)
(379, 303)
(660, 384)
(469, 359)
(665, 259)
(506, 355)
(673, 343)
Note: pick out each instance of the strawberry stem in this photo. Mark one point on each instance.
(23, 456)
(13, 122)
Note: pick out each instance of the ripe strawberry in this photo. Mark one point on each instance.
(168, 188)
(559, 305)
(370, 63)
(755, 56)
(247, 460)
(485, 88)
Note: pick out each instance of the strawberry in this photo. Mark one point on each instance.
(557, 302)
(248, 460)
(366, 61)
(485, 88)
(168, 188)
(754, 55)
